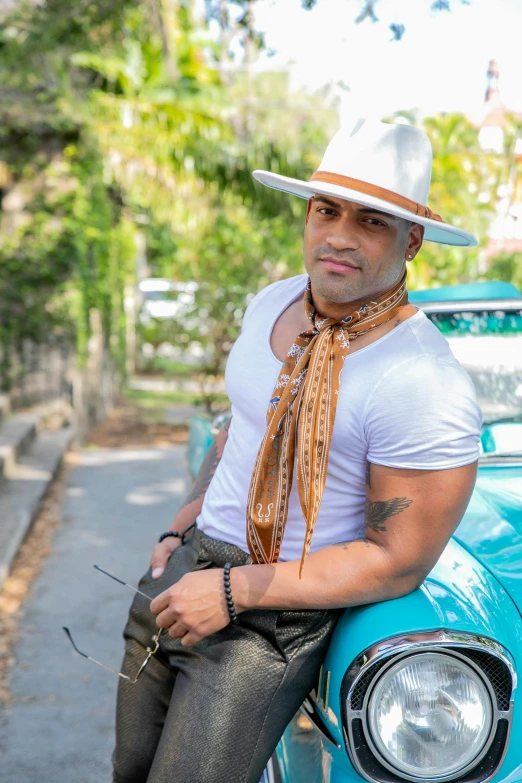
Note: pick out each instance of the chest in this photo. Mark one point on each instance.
(255, 364)
(290, 323)
(252, 380)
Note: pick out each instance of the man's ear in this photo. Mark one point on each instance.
(308, 208)
(415, 238)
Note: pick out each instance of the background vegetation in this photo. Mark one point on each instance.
(127, 124)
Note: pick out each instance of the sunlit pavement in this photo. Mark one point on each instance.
(59, 726)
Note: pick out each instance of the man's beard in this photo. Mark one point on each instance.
(334, 293)
(337, 288)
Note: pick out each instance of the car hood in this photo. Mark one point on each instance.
(492, 526)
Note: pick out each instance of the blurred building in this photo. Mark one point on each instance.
(163, 298)
(501, 134)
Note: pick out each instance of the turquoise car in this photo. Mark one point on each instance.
(424, 687)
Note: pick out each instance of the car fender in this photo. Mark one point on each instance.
(459, 596)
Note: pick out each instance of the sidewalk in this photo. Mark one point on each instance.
(162, 385)
(59, 722)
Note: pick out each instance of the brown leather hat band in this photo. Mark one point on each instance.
(377, 192)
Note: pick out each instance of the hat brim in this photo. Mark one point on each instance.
(435, 231)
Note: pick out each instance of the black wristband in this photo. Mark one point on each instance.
(167, 534)
(228, 592)
(175, 534)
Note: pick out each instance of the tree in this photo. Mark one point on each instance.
(508, 267)
(368, 12)
(246, 236)
(65, 246)
(117, 117)
(461, 171)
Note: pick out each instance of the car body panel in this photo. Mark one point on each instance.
(492, 526)
(459, 595)
(492, 289)
(201, 437)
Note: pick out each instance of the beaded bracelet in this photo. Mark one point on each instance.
(175, 533)
(167, 534)
(228, 593)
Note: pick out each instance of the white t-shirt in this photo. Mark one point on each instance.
(404, 402)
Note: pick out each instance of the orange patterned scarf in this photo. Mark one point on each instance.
(303, 404)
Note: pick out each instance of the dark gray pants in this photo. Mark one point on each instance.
(212, 713)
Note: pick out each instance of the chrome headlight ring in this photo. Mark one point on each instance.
(374, 736)
(485, 662)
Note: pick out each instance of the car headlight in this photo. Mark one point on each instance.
(430, 714)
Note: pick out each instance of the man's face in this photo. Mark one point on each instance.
(352, 252)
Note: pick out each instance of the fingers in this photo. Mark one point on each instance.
(188, 636)
(160, 605)
(160, 555)
(178, 631)
(190, 639)
(180, 627)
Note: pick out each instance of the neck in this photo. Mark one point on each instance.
(338, 310)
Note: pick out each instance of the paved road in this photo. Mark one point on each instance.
(60, 724)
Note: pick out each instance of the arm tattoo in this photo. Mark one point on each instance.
(376, 514)
(346, 544)
(205, 475)
(368, 474)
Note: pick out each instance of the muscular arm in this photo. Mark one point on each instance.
(409, 517)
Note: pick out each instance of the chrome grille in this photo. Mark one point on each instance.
(362, 685)
(496, 672)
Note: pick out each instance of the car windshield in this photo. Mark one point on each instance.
(488, 344)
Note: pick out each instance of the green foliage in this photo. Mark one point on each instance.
(367, 12)
(461, 171)
(508, 267)
(120, 117)
(65, 240)
(66, 253)
(235, 256)
(116, 115)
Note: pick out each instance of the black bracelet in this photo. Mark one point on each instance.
(175, 534)
(167, 534)
(228, 593)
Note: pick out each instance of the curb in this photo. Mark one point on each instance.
(22, 492)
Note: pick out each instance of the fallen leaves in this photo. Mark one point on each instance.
(26, 567)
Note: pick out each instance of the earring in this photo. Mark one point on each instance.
(410, 257)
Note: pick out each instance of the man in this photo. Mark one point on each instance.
(344, 494)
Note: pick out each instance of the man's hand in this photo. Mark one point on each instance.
(161, 553)
(194, 607)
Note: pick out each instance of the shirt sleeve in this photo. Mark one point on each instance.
(255, 303)
(423, 414)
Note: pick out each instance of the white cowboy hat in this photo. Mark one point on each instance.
(377, 165)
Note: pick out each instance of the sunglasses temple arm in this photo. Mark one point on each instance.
(123, 676)
(123, 583)
(84, 655)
